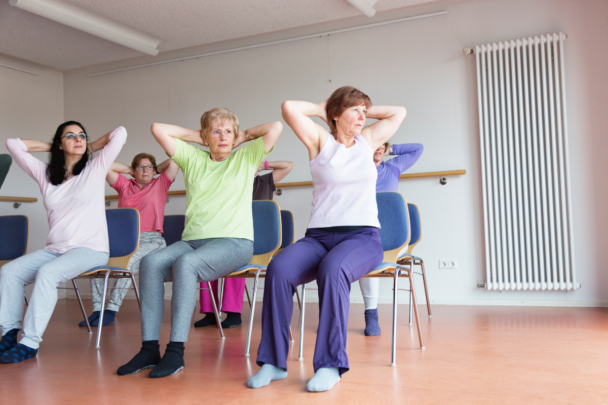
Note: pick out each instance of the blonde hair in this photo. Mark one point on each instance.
(220, 114)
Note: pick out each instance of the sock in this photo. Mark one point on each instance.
(9, 340)
(17, 354)
(208, 320)
(372, 328)
(232, 320)
(108, 318)
(172, 361)
(267, 373)
(324, 379)
(148, 357)
(92, 318)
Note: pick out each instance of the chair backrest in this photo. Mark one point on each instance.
(415, 226)
(287, 229)
(173, 227)
(13, 237)
(266, 230)
(394, 223)
(5, 164)
(123, 234)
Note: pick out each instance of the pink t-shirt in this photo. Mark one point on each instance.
(149, 201)
(76, 208)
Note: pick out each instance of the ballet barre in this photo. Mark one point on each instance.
(17, 201)
(279, 186)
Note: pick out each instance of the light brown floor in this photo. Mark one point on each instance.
(473, 355)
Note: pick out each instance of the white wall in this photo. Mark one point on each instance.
(420, 65)
(31, 107)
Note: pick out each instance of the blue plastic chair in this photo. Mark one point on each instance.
(395, 235)
(411, 260)
(266, 241)
(173, 227)
(14, 231)
(123, 235)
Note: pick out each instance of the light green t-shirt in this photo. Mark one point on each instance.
(219, 194)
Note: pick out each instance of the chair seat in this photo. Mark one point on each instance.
(246, 268)
(382, 267)
(407, 258)
(102, 269)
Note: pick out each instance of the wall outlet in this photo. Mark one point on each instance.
(448, 264)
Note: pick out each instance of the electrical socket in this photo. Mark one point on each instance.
(448, 264)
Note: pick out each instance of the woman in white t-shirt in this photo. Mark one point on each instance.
(72, 187)
(342, 243)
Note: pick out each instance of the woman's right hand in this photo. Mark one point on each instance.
(323, 111)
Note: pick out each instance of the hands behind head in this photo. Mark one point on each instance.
(324, 114)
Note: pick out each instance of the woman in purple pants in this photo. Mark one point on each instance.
(342, 243)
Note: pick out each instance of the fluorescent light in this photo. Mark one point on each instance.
(19, 69)
(364, 6)
(87, 20)
(283, 41)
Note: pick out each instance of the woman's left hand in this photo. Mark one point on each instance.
(239, 139)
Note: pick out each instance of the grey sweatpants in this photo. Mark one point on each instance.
(47, 269)
(185, 263)
(149, 242)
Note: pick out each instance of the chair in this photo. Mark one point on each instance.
(5, 164)
(409, 259)
(266, 242)
(395, 235)
(123, 234)
(14, 233)
(173, 227)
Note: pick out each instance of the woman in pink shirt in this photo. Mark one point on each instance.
(147, 194)
(72, 187)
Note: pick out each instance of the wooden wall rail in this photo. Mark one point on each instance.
(18, 199)
(309, 183)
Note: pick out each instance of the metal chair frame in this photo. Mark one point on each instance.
(116, 268)
(389, 268)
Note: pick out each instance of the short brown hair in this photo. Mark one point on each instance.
(340, 100)
(141, 156)
(219, 113)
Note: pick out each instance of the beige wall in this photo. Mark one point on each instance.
(418, 64)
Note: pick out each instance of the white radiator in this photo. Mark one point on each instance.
(524, 159)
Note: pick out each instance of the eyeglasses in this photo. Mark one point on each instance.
(217, 132)
(71, 136)
(149, 167)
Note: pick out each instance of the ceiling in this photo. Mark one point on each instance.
(181, 24)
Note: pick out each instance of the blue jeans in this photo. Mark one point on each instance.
(47, 269)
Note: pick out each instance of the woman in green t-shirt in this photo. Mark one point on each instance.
(218, 235)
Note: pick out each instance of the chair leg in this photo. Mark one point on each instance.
(291, 339)
(248, 298)
(250, 328)
(136, 290)
(298, 297)
(426, 290)
(81, 306)
(220, 292)
(394, 337)
(103, 307)
(411, 307)
(413, 292)
(215, 311)
(302, 309)
(27, 303)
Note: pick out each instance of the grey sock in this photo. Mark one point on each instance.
(324, 379)
(267, 373)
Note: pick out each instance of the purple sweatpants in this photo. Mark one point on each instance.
(335, 260)
(232, 301)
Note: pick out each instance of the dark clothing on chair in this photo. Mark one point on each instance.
(263, 187)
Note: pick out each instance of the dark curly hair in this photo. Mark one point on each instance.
(56, 171)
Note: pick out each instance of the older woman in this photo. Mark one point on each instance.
(342, 243)
(73, 193)
(218, 236)
(388, 179)
(147, 194)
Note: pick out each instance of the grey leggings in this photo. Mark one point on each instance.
(184, 263)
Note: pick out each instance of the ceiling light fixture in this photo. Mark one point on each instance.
(87, 20)
(364, 6)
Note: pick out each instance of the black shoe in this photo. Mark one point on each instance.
(148, 357)
(208, 320)
(232, 320)
(9, 340)
(92, 318)
(172, 361)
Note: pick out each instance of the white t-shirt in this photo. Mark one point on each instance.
(75, 209)
(344, 185)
